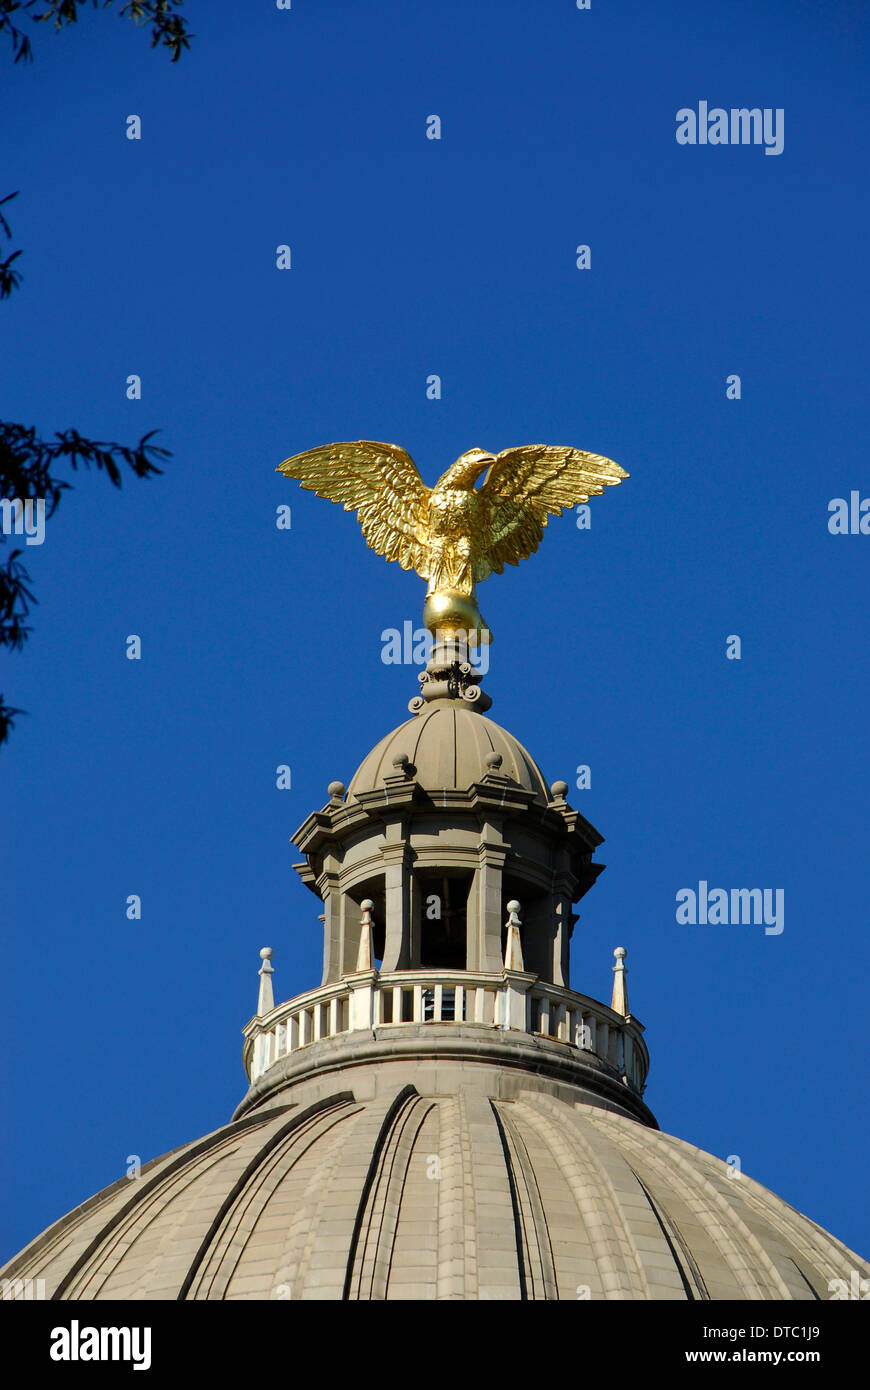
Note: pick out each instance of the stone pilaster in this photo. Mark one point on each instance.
(564, 887)
(484, 934)
(333, 943)
(397, 858)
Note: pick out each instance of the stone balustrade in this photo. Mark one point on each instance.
(369, 1000)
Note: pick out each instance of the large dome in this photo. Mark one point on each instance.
(444, 1116)
(447, 744)
(429, 1177)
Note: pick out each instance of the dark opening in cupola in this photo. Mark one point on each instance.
(444, 921)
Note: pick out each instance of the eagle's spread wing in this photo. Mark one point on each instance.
(527, 485)
(381, 484)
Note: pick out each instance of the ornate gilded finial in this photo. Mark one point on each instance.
(365, 959)
(513, 951)
(619, 1002)
(266, 999)
(455, 534)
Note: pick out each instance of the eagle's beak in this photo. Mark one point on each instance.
(484, 466)
(472, 463)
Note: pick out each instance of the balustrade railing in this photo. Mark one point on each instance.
(370, 1000)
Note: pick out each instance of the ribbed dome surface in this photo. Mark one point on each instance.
(463, 1194)
(448, 744)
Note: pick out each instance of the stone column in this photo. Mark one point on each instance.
(415, 910)
(347, 913)
(397, 857)
(484, 935)
(472, 951)
(564, 885)
(333, 962)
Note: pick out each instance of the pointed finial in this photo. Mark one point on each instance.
(364, 956)
(619, 1003)
(266, 1000)
(513, 951)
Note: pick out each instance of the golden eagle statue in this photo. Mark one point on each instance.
(455, 534)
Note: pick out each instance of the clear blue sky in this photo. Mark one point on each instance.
(261, 647)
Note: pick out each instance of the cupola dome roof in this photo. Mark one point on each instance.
(449, 744)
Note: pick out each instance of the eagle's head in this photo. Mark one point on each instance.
(468, 468)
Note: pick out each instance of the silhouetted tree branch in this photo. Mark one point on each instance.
(27, 462)
(167, 26)
(9, 278)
